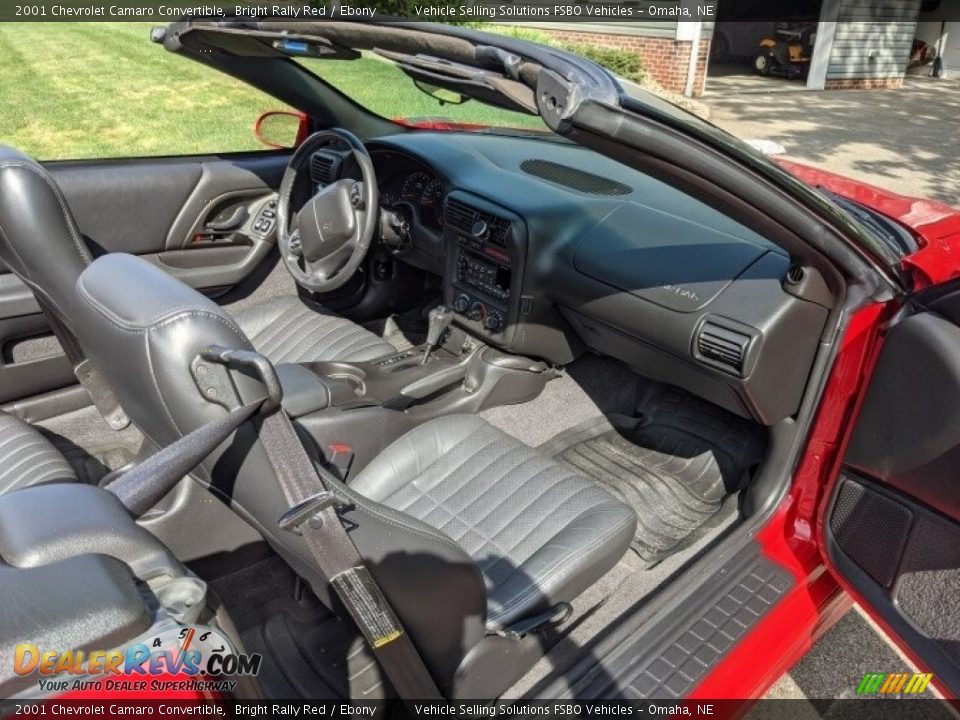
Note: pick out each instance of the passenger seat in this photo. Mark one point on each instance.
(28, 458)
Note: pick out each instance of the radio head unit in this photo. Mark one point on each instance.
(485, 252)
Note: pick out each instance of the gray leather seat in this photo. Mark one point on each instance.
(27, 458)
(290, 329)
(40, 242)
(465, 529)
(539, 532)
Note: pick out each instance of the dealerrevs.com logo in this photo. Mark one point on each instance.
(180, 658)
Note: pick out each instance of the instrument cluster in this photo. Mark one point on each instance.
(417, 190)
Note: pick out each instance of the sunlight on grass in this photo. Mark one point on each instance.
(383, 88)
(81, 90)
(88, 90)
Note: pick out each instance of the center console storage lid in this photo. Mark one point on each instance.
(88, 602)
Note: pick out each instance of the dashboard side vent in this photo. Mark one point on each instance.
(323, 168)
(574, 179)
(723, 346)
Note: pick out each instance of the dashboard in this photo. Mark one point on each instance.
(548, 250)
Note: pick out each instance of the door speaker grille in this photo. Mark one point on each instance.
(871, 530)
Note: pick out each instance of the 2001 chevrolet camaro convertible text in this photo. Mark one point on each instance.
(608, 406)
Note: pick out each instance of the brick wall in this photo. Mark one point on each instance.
(665, 60)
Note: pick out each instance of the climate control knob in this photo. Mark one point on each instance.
(492, 322)
(477, 311)
(461, 304)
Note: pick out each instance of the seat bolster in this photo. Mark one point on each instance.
(27, 458)
(39, 240)
(574, 559)
(290, 329)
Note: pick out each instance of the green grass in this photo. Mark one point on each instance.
(79, 90)
(86, 90)
(379, 85)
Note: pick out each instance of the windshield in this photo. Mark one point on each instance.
(383, 89)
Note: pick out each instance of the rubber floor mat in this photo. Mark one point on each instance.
(307, 651)
(674, 463)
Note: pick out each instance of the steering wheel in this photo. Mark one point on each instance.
(324, 244)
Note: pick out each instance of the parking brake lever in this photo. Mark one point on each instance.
(438, 321)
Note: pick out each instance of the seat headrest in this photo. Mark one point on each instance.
(39, 240)
(142, 328)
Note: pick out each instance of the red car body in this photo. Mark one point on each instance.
(820, 596)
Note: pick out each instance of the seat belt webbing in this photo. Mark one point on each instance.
(337, 558)
(341, 563)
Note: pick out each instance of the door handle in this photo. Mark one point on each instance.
(229, 223)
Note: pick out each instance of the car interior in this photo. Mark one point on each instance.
(541, 382)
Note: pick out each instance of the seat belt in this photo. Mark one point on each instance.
(312, 515)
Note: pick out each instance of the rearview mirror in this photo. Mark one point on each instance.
(442, 95)
(283, 129)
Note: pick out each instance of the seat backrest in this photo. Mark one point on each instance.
(142, 329)
(39, 240)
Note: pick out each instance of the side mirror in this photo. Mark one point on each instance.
(282, 129)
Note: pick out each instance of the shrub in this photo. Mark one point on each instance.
(624, 63)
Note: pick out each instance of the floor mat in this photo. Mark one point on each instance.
(307, 651)
(674, 463)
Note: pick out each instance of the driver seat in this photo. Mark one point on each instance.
(40, 243)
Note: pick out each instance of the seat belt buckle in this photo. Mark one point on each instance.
(340, 457)
(305, 510)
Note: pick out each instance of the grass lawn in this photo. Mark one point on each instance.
(82, 90)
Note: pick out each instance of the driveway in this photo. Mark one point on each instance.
(905, 140)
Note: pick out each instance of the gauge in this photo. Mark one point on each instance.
(414, 186)
(432, 193)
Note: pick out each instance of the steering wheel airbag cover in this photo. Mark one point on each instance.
(335, 227)
(327, 222)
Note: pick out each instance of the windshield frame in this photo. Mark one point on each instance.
(586, 88)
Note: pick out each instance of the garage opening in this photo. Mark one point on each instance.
(762, 45)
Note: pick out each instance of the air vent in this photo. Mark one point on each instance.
(323, 168)
(574, 179)
(723, 346)
(796, 274)
(499, 229)
(462, 217)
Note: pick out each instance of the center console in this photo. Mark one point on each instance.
(485, 249)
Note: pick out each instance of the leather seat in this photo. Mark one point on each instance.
(27, 458)
(539, 532)
(289, 329)
(465, 529)
(40, 242)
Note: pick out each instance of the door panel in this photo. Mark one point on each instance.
(892, 526)
(195, 217)
(126, 208)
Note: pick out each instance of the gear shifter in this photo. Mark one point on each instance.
(438, 321)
